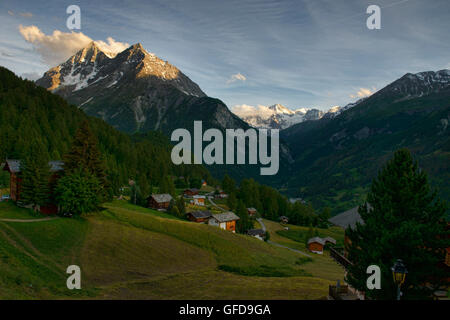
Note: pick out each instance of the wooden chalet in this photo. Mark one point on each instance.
(15, 180)
(347, 219)
(316, 245)
(199, 216)
(199, 200)
(221, 195)
(257, 233)
(226, 221)
(251, 212)
(159, 201)
(190, 192)
(284, 219)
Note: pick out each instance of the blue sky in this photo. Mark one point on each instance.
(297, 53)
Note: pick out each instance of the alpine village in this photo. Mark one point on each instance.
(86, 181)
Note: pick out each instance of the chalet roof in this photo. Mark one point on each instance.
(317, 240)
(191, 190)
(199, 197)
(200, 214)
(347, 218)
(251, 209)
(330, 239)
(161, 198)
(226, 216)
(14, 165)
(283, 218)
(256, 232)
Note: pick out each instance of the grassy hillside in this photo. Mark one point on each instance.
(131, 252)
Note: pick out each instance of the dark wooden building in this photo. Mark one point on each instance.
(199, 216)
(15, 180)
(251, 212)
(190, 192)
(159, 201)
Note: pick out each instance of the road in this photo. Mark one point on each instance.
(214, 204)
(263, 226)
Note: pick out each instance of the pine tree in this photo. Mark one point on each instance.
(35, 177)
(244, 223)
(85, 154)
(403, 219)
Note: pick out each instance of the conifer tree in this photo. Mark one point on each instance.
(244, 223)
(35, 177)
(403, 219)
(85, 154)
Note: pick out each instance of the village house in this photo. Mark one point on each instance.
(199, 216)
(284, 219)
(221, 195)
(226, 221)
(257, 233)
(204, 183)
(159, 201)
(316, 244)
(347, 219)
(251, 212)
(199, 200)
(15, 180)
(188, 193)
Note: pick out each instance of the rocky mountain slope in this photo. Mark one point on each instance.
(134, 91)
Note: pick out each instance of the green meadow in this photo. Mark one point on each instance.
(130, 252)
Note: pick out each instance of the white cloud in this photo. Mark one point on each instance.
(59, 46)
(10, 13)
(245, 110)
(236, 77)
(363, 92)
(112, 46)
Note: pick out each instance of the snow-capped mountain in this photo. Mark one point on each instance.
(92, 67)
(418, 84)
(134, 90)
(278, 116)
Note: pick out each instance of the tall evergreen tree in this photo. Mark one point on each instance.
(35, 177)
(244, 223)
(85, 154)
(403, 219)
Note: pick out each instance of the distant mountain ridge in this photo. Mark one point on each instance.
(336, 158)
(278, 116)
(134, 91)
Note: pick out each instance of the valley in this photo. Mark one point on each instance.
(129, 252)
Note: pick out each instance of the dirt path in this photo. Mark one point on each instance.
(28, 220)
